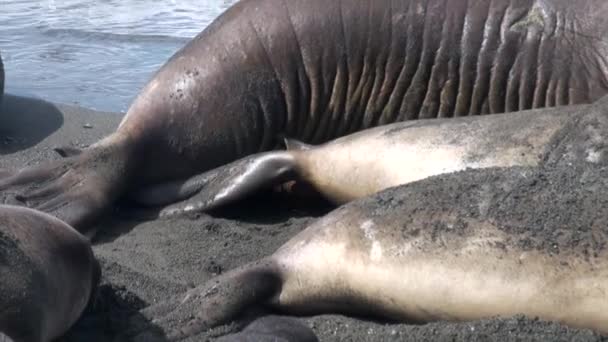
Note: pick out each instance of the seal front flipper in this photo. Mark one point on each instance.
(79, 188)
(222, 185)
(218, 301)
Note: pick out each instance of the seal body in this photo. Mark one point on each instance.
(314, 71)
(260, 71)
(47, 275)
(463, 246)
(377, 158)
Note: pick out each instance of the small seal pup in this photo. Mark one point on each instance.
(48, 275)
(371, 160)
(315, 70)
(462, 246)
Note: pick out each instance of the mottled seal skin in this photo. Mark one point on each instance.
(48, 275)
(462, 246)
(377, 158)
(315, 70)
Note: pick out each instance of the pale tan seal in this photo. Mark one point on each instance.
(48, 274)
(463, 246)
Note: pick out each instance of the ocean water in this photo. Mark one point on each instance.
(94, 53)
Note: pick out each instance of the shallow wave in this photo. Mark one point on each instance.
(95, 53)
(119, 37)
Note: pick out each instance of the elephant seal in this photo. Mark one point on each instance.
(462, 246)
(313, 71)
(377, 158)
(48, 275)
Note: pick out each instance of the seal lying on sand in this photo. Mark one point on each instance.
(462, 246)
(47, 275)
(315, 70)
(366, 162)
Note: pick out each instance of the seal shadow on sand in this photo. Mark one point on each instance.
(264, 207)
(24, 122)
(108, 317)
(115, 315)
(116, 312)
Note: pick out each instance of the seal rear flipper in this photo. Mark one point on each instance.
(219, 301)
(296, 145)
(222, 185)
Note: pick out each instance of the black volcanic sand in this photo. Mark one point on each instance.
(146, 262)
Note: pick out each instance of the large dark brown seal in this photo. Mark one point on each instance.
(463, 246)
(47, 275)
(316, 70)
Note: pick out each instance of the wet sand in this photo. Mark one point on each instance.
(145, 262)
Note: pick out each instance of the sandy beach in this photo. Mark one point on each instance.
(144, 262)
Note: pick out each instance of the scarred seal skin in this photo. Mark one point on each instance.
(314, 70)
(48, 275)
